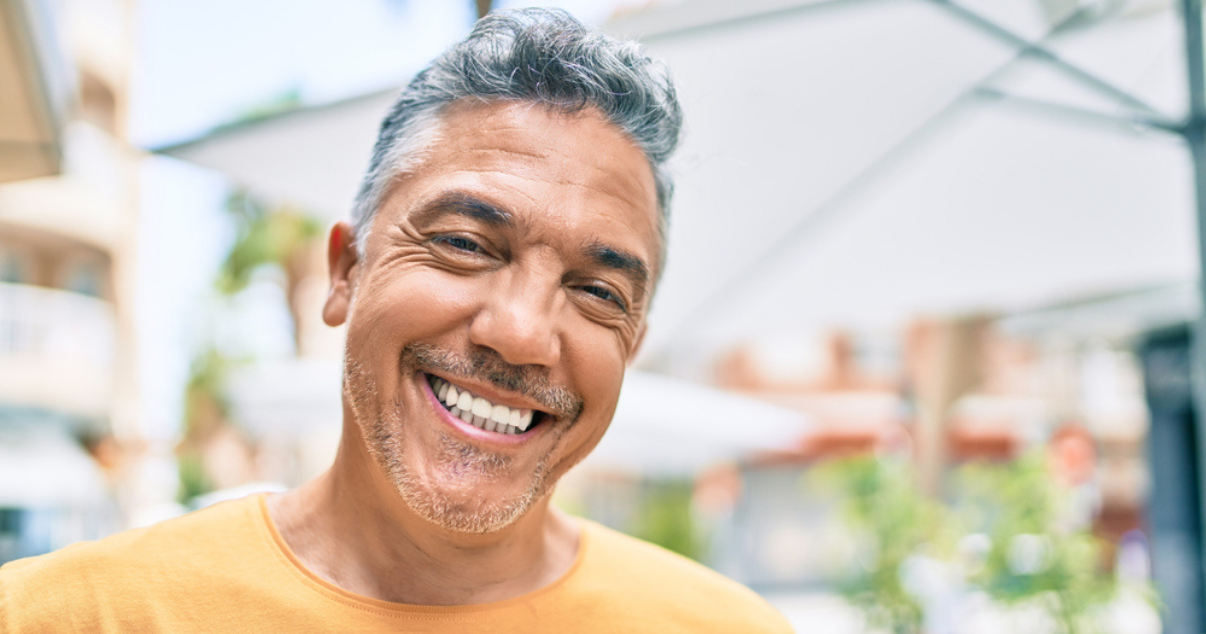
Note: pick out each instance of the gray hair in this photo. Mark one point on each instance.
(542, 56)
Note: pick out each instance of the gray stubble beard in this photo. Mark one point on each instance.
(382, 431)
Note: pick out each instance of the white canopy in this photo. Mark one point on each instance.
(313, 157)
(850, 162)
(843, 164)
(667, 426)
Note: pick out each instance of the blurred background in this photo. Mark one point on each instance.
(921, 360)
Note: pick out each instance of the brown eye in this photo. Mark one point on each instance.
(463, 244)
(604, 294)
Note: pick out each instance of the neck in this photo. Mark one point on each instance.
(351, 527)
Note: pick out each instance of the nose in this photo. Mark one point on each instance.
(518, 320)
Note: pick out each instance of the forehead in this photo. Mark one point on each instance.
(571, 169)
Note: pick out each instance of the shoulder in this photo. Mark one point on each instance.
(667, 583)
(85, 581)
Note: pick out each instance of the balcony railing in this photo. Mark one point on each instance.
(57, 349)
(45, 322)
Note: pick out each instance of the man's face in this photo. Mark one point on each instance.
(514, 264)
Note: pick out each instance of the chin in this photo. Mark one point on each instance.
(441, 478)
(464, 489)
(463, 514)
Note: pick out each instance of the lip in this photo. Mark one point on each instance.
(472, 431)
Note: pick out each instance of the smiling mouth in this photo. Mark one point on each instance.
(481, 412)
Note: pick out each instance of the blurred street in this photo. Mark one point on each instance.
(920, 361)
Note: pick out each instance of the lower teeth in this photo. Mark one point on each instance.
(476, 421)
(482, 423)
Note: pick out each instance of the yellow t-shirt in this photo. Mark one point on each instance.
(226, 569)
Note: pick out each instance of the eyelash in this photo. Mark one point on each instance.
(461, 243)
(605, 295)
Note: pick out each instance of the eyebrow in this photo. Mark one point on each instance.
(469, 206)
(630, 265)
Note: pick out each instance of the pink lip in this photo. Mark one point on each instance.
(469, 430)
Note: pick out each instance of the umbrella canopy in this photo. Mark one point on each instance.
(850, 162)
(669, 427)
(313, 157)
(858, 162)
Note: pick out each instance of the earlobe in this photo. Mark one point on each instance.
(342, 264)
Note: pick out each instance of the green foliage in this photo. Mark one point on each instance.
(205, 405)
(1030, 513)
(194, 481)
(206, 386)
(666, 519)
(1033, 552)
(263, 236)
(892, 521)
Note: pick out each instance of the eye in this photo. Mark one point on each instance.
(605, 294)
(458, 242)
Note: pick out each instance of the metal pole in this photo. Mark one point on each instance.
(1038, 51)
(1195, 136)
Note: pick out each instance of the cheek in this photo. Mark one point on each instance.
(599, 372)
(388, 314)
(599, 362)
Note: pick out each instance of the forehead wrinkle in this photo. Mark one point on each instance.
(537, 199)
(534, 150)
(614, 193)
(504, 144)
(635, 196)
(531, 153)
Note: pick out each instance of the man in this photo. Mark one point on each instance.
(495, 280)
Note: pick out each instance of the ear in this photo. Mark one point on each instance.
(343, 263)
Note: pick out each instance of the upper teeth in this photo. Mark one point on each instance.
(480, 412)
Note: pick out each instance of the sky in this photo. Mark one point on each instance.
(206, 63)
(202, 64)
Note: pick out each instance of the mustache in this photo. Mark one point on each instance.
(485, 364)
